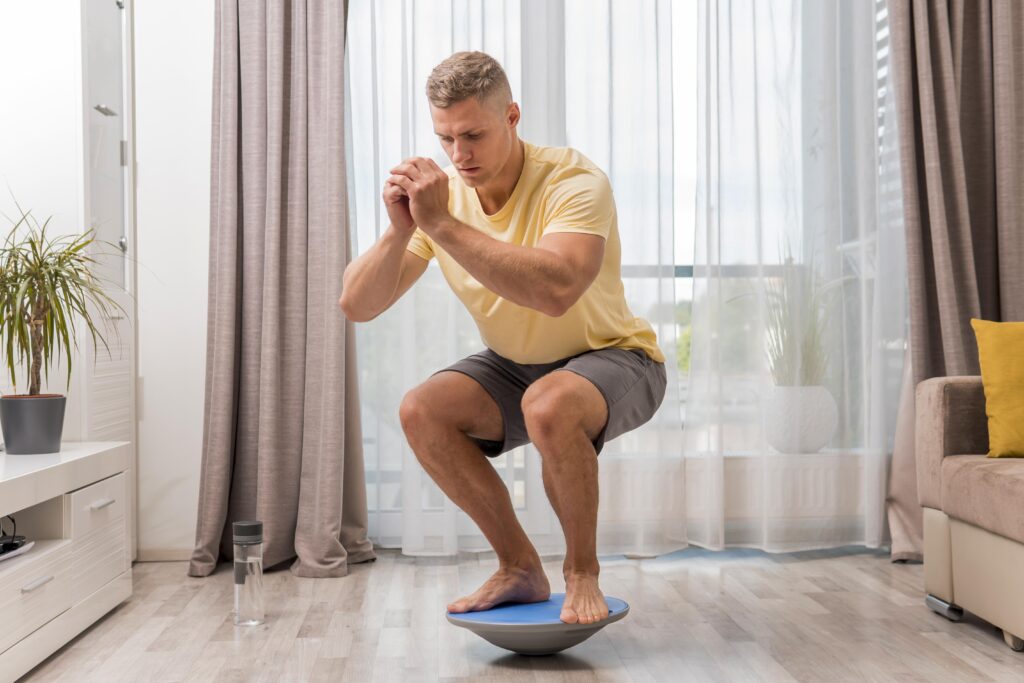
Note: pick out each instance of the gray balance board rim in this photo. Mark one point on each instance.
(534, 628)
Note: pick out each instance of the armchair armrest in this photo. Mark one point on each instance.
(950, 420)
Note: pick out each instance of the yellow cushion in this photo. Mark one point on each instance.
(1001, 355)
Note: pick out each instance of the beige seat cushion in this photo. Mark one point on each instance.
(985, 492)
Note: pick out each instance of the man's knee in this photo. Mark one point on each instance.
(562, 405)
(415, 412)
(436, 404)
(548, 414)
(450, 401)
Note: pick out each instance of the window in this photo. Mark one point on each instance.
(616, 80)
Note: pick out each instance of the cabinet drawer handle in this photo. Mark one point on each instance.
(102, 504)
(36, 584)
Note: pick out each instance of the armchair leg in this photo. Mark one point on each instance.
(1015, 643)
(946, 609)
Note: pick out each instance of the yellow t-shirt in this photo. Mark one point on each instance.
(560, 190)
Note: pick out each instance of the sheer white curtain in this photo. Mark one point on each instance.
(595, 76)
(799, 250)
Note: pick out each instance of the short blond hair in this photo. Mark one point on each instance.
(465, 75)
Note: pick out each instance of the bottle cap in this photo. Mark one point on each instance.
(247, 533)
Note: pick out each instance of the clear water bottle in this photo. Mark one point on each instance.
(248, 538)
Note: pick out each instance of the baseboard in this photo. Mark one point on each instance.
(164, 555)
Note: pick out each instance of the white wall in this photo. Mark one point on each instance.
(41, 139)
(173, 90)
(41, 136)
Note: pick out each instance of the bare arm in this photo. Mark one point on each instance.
(549, 277)
(379, 278)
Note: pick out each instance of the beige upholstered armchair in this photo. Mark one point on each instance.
(973, 509)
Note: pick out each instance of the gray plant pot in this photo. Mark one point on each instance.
(32, 424)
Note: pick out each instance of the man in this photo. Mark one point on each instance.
(527, 238)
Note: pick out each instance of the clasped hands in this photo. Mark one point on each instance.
(426, 186)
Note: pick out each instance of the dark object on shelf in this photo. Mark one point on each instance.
(12, 542)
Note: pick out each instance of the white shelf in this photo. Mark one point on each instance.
(79, 567)
(39, 550)
(29, 479)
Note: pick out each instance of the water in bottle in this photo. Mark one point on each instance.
(248, 540)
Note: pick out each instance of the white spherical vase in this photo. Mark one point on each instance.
(800, 419)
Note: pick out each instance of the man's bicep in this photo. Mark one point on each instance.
(583, 251)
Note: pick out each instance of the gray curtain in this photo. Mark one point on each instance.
(959, 79)
(281, 437)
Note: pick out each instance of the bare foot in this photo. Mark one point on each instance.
(584, 601)
(511, 584)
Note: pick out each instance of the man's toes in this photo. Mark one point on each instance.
(591, 614)
(569, 615)
(460, 605)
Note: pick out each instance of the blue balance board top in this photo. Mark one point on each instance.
(531, 613)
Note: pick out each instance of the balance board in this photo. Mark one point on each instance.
(534, 628)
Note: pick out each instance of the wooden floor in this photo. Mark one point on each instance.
(837, 615)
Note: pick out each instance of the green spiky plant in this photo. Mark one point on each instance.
(44, 284)
(797, 316)
(794, 327)
(796, 306)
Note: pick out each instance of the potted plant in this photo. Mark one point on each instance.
(44, 285)
(800, 413)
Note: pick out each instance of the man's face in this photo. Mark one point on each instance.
(477, 137)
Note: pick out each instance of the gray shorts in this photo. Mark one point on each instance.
(633, 386)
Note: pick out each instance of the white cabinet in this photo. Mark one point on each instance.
(96, 517)
(75, 506)
(34, 592)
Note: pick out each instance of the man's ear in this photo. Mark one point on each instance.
(512, 115)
